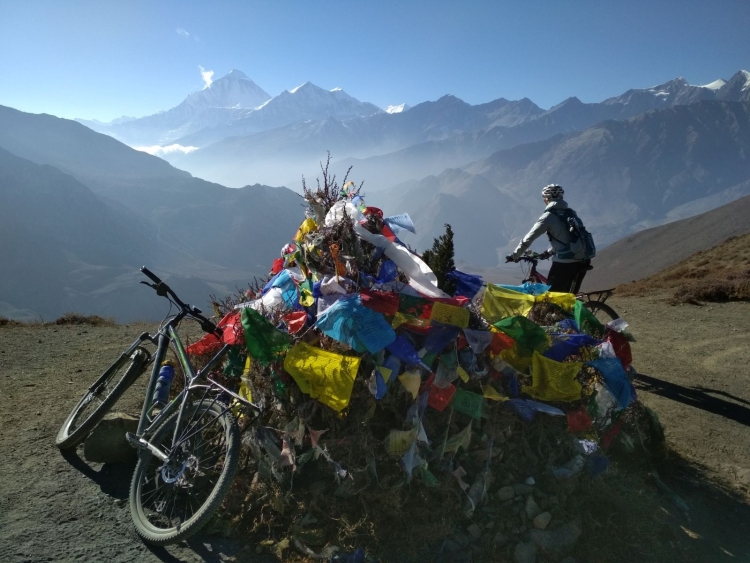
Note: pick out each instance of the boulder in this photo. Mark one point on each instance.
(107, 443)
(542, 520)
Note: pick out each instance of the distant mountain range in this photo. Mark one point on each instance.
(80, 211)
(297, 128)
(621, 176)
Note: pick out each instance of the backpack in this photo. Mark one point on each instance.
(581, 243)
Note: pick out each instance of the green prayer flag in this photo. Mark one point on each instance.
(586, 320)
(264, 341)
(528, 335)
(468, 403)
(235, 364)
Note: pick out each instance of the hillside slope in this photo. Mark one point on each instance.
(648, 252)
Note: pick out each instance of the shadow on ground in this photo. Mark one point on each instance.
(113, 478)
(716, 526)
(698, 397)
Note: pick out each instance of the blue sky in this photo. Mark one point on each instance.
(102, 59)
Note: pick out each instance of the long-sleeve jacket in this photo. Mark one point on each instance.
(556, 230)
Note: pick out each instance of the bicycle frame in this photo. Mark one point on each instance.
(146, 425)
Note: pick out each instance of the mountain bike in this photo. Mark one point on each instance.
(188, 450)
(594, 301)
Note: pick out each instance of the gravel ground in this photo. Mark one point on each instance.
(55, 508)
(58, 509)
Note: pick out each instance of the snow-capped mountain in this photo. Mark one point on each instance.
(306, 102)
(737, 89)
(225, 100)
(680, 92)
(234, 90)
(674, 92)
(401, 108)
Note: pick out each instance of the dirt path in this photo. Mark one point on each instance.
(695, 371)
(58, 509)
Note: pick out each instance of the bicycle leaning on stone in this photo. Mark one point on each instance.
(188, 449)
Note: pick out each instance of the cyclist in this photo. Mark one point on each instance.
(566, 273)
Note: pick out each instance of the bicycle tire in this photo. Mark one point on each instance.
(607, 313)
(186, 477)
(67, 439)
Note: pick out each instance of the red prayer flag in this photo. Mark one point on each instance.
(621, 347)
(611, 434)
(439, 397)
(278, 265)
(385, 302)
(295, 321)
(500, 341)
(579, 420)
(232, 334)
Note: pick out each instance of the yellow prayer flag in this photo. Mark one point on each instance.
(462, 374)
(500, 303)
(411, 382)
(398, 442)
(566, 301)
(307, 225)
(402, 318)
(385, 372)
(450, 315)
(491, 393)
(324, 375)
(554, 381)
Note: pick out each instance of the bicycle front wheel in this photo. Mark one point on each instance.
(171, 500)
(100, 398)
(603, 312)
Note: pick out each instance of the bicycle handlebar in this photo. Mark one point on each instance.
(162, 289)
(533, 257)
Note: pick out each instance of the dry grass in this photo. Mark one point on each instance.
(78, 319)
(11, 322)
(719, 274)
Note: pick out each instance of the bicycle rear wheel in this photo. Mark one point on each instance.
(603, 312)
(172, 500)
(100, 398)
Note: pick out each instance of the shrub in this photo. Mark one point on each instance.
(78, 319)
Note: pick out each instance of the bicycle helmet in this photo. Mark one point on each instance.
(553, 191)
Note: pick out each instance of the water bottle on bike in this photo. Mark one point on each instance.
(163, 384)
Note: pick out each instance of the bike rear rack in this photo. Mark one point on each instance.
(601, 296)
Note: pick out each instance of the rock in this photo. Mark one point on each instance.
(523, 489)
(542, 520)
(107, 443)
(559, 541)
(500, 539)
(475, 531)
(506, 493)
(530, 481)
(525, 553)
(532, 508)
(489, 525)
